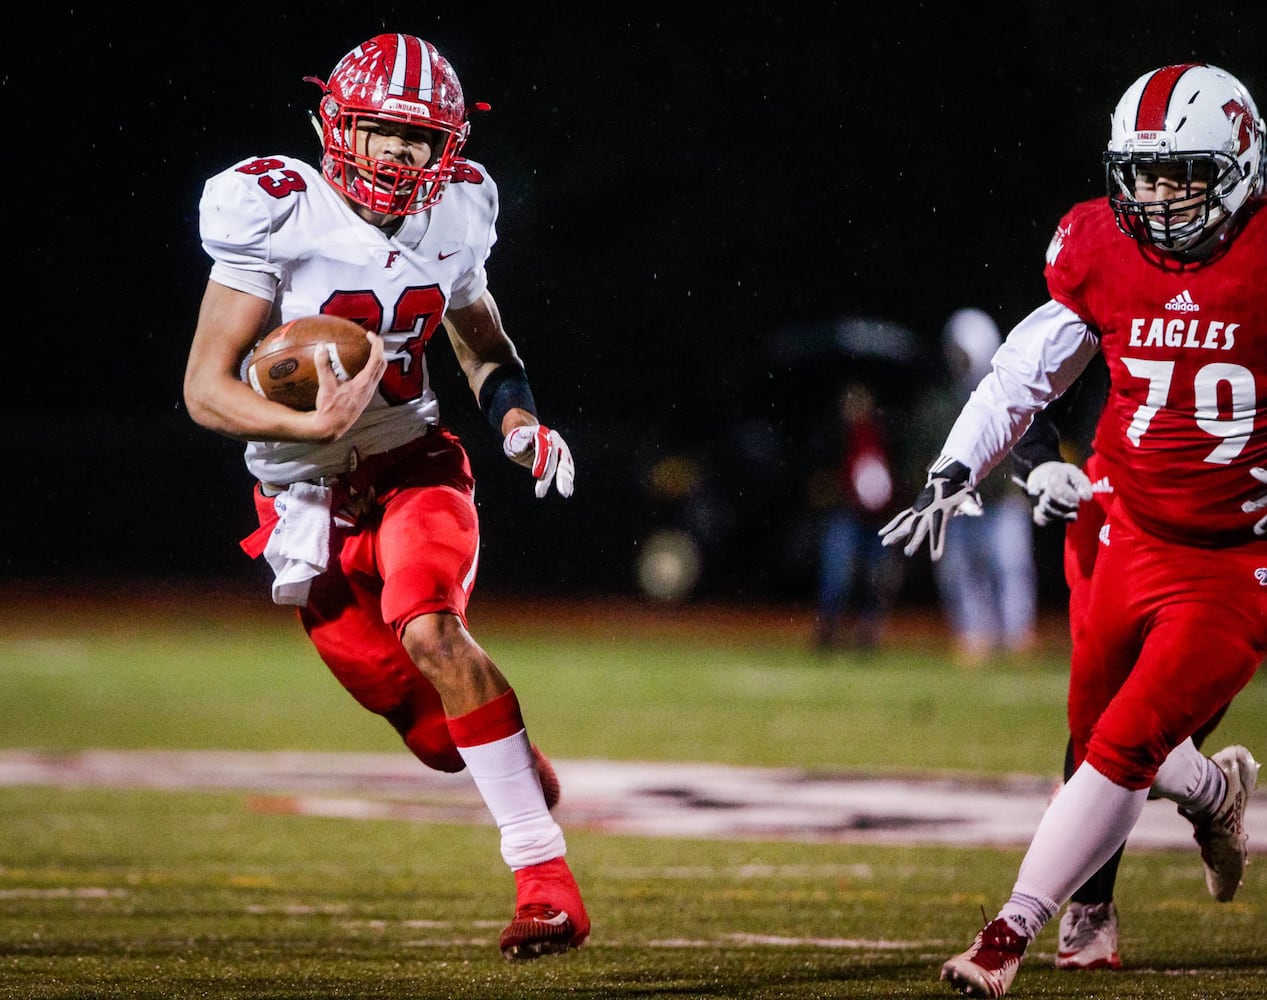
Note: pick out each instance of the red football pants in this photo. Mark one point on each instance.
(1169, 634)
(413, 551)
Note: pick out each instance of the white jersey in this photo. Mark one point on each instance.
(275, 228)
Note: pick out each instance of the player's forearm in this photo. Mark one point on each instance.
(1039, 444)
(237, 411)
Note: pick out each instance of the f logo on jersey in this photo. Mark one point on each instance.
(392, 257)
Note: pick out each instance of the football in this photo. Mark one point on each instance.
(283, 366)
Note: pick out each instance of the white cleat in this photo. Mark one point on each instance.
(1221, 837)
(1088, 937)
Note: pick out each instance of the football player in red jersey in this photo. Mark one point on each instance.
(366, 503)
(1165, 279)
(1077, 497)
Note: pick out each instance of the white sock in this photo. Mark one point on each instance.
(505, 776)
(1086, 822)
(1190, 779)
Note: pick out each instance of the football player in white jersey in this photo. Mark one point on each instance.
(365, 502)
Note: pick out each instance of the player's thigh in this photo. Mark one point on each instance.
(344, 620)
(1202, 622)
(1107, 633)
(1176, 687)
(1208, 632)
(428, 548)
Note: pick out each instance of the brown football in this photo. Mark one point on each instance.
(283, 367)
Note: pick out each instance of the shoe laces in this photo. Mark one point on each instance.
(998, 935)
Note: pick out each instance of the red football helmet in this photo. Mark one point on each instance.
(400, 79)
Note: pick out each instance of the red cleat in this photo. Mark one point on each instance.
(549, 915)
(989, 966)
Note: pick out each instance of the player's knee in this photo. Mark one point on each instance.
(434, 641)
(433, 745)
(1128, 744)
(427, 737)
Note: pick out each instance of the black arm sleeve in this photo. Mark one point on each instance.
(1069, 420)
(1039, 444)
(505, 388)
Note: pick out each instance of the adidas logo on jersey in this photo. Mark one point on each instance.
(1104, 534)
(1102, 485)
(1182, 303)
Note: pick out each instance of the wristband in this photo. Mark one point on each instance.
(505, 389)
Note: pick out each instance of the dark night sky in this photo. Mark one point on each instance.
(675, 187)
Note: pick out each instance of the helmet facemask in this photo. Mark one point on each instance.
(1180, 224)
(388, 187)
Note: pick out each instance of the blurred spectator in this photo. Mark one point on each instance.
(856, 572)
(987, 579)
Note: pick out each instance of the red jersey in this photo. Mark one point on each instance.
(1186, 347)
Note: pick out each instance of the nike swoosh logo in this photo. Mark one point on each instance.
(558, 920)
(446, 256)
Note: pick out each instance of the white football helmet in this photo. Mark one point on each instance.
(1200, 119)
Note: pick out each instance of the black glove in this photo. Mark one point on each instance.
(946, 494)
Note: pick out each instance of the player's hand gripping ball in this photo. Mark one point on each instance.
(283, 367)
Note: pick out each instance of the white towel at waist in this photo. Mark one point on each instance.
(299, 547)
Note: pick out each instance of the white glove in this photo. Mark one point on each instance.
(946, 494)
(544, 451)
(1059, 487)
(1254, 506)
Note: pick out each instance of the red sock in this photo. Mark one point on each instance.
(492, 721)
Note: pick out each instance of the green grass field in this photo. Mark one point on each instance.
(140, 894)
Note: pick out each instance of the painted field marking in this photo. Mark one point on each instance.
(699, 801)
